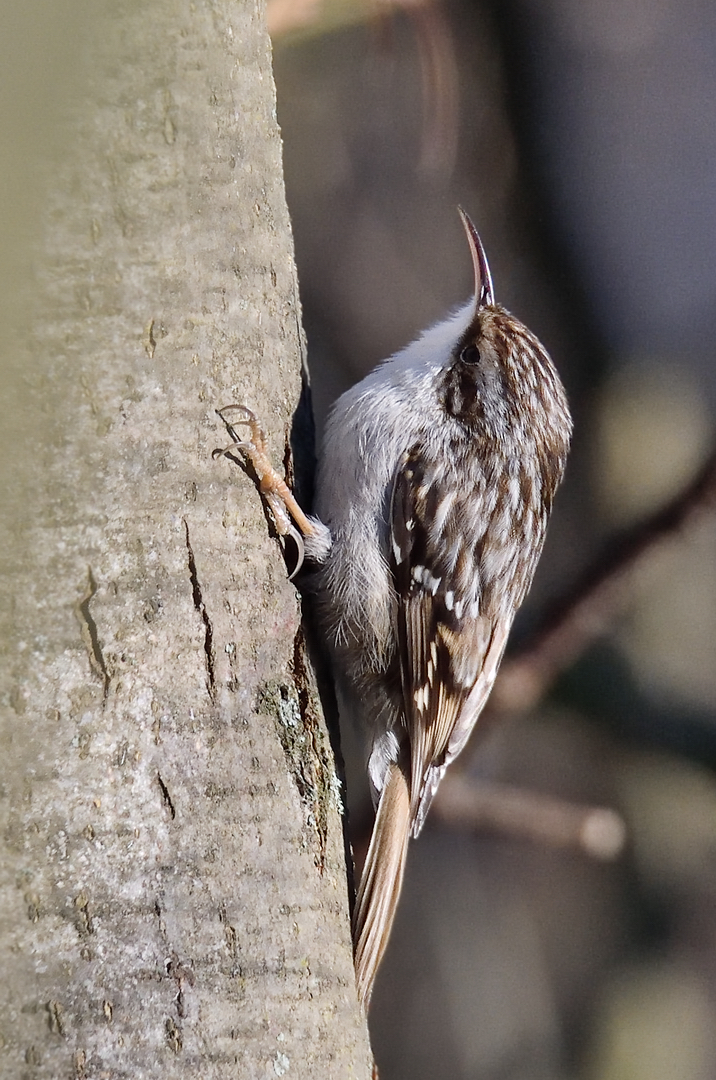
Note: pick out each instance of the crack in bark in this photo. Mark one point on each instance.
(229, 932)
(204, 615)
(173, 1035)
(166, 797)
(181, 974)
(149, 340)
(160, 920)
(55, 1021)
(84, 918)
(90, 635)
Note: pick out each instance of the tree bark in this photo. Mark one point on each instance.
(173, 887)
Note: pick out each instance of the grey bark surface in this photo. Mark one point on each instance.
(173, 897)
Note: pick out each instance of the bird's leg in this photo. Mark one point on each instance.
(272, 486)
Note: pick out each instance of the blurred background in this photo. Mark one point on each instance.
(580, 135)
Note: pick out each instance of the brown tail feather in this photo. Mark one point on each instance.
(381, 881)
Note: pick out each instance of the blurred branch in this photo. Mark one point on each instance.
(441, 90)
(481, 805)
(297, 19)
(570, 625)
(464, 802)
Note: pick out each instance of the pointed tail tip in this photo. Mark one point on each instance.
(381, 882)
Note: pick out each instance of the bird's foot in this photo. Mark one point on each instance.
(273, 487)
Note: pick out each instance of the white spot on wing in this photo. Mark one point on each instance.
(431, 583)
(421, 698)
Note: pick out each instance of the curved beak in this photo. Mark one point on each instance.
(484, 293)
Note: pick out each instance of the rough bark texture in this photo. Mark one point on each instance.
(173, 896)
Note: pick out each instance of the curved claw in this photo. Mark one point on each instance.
(300, 548)
(257, 442)
(249, 417)
(237, 444)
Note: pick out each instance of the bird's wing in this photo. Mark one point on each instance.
(449, 646)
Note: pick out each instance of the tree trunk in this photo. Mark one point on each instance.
(172, 886)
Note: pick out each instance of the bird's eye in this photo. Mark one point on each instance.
(470, 355)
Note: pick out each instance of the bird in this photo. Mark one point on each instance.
(433, 490)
